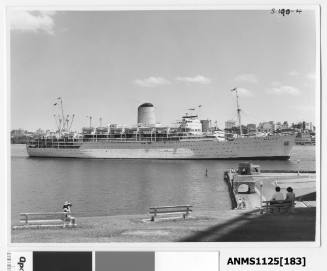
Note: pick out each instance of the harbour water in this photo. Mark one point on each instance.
(110, 187)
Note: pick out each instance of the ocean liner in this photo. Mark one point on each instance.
(187, 140)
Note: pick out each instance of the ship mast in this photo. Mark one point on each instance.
(90, 120)
(62, 115)
(71, 122)
(55, 118)
(238, 110)
(67, 123)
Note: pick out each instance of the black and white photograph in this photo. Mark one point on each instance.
(164, 125)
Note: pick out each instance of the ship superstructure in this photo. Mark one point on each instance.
(186, 140)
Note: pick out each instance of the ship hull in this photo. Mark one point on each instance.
(273, 147)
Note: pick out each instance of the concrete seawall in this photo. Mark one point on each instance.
(228, 180)
(303, 184)
(286, 171)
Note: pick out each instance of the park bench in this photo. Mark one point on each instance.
(39, 220)
(185, 210)
(277, 205)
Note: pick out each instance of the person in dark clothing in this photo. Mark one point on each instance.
(66, 207)
(290, 196)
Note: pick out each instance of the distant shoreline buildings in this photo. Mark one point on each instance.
(305, 132)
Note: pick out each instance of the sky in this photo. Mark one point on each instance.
(106, 63)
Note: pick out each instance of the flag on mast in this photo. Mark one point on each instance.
(234, 89)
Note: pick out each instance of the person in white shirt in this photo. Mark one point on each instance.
(277, 195)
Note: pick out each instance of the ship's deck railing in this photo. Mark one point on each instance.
(76, 143)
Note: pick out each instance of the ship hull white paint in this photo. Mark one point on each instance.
(272, 147)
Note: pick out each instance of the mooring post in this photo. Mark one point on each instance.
(298, 167)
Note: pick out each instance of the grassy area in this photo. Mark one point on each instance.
(230, 225)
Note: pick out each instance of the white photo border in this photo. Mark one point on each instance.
(207, 246)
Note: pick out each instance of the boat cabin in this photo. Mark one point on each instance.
(247, 168)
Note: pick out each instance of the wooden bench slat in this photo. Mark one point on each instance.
(182, 212)
(50, 213)
(170, 211)
(44, 218)
(177, 206)
(43, 221)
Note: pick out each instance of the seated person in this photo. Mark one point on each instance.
(277, 196)
(241, 203)
(290, 196)
(66, 207)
